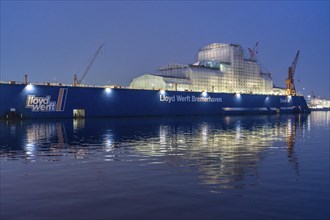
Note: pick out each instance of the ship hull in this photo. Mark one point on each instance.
(42, 101)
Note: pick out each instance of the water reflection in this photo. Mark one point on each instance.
(223, 150)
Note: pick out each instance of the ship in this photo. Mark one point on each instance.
(317, 103)
(222, 80)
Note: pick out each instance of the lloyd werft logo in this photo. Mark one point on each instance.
(44, 104)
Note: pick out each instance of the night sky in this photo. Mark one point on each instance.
(53, 40)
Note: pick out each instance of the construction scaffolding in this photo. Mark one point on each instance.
(219, 68)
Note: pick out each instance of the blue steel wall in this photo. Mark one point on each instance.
(97, 102)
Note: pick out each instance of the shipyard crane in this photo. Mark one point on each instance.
(253, 52)
(289, 82)
(76, 81)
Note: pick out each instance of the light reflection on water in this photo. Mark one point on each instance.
(226, 153)
(222, 149)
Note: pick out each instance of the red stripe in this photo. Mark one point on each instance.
(59, 100)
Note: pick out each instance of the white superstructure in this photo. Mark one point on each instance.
(219, 68)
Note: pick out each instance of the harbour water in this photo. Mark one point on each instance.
(228, 167)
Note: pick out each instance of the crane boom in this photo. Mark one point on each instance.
(253, 52)
(289, 82)
(90, 64)
(294, 64)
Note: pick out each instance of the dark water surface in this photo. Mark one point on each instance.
(230, 167)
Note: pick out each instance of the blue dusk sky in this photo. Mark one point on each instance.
(53, 40)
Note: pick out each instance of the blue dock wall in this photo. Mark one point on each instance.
(41, 101)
